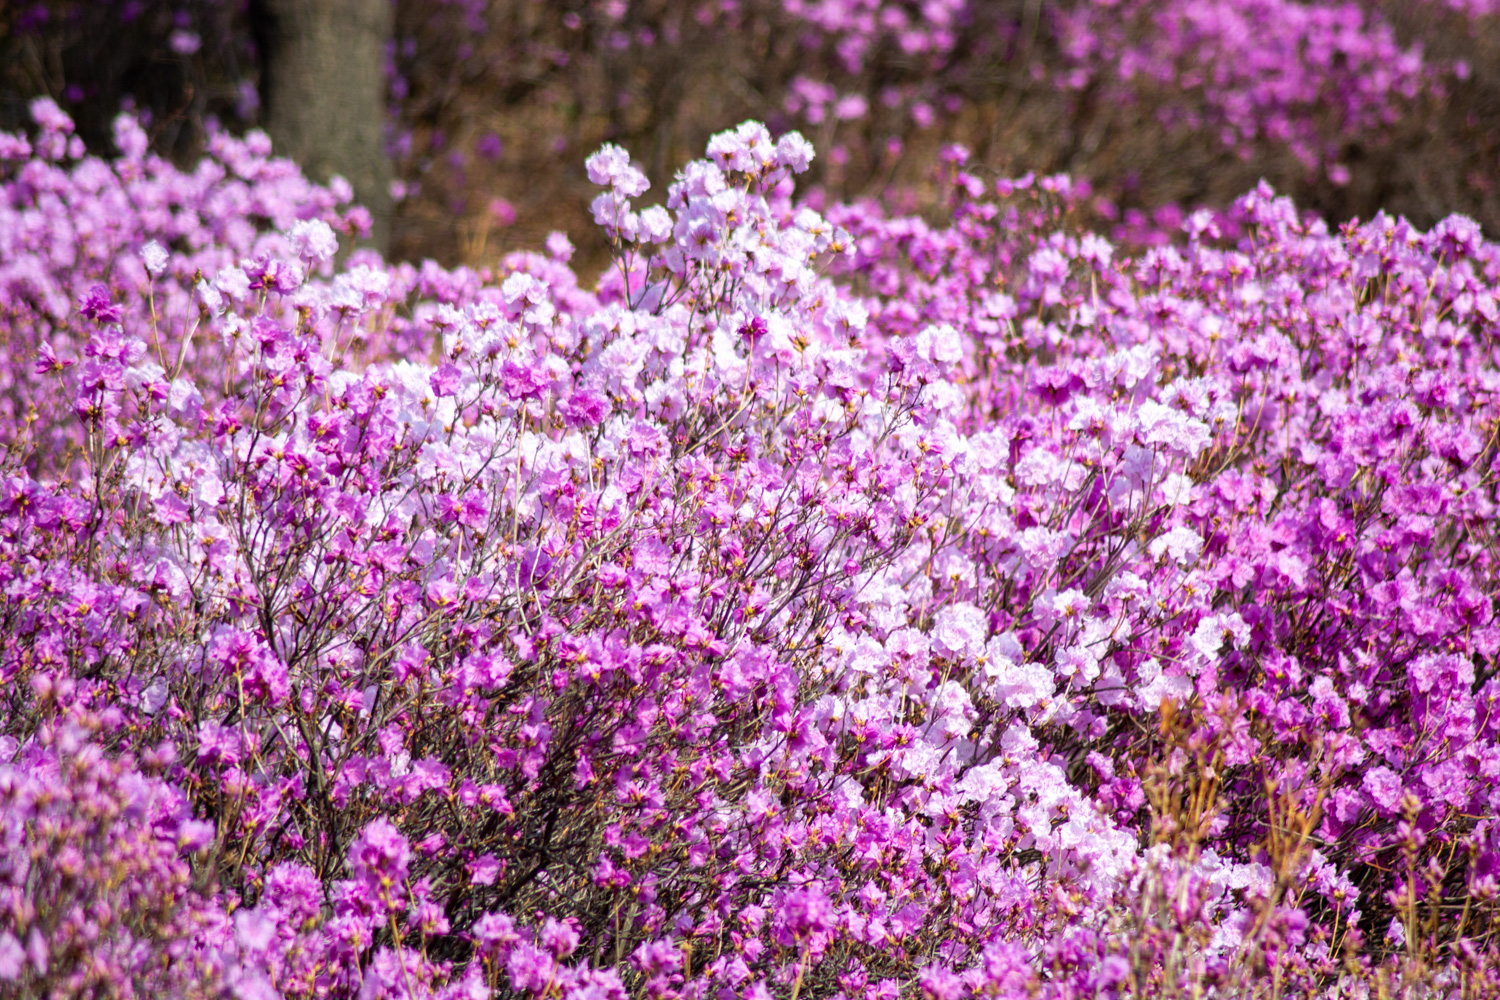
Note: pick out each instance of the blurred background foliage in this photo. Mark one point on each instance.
(494, 104)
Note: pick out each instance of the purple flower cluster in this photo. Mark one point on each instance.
(1307, 75)
(1310, 76)
(97, 887)
(827, 603)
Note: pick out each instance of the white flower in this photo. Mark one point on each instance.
(155, 257)
(794, 152)
(1159, 685)
(1181, 544)
(314, 240)
(1162, 425)
(1069, 605)
(233, 282)
(961, 629)
(1023, 685)
(154, 696)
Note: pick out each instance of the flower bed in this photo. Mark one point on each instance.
(827, 604)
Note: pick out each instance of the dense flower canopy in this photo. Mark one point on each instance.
(829, 603)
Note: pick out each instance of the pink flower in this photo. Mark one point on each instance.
(1384, 788)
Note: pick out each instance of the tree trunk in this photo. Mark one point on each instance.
(323, 90)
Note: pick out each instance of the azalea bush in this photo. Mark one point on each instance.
(823, 603)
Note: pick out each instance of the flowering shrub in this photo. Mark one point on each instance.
(827, 604)
(1356, 104)
(1310, 76)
